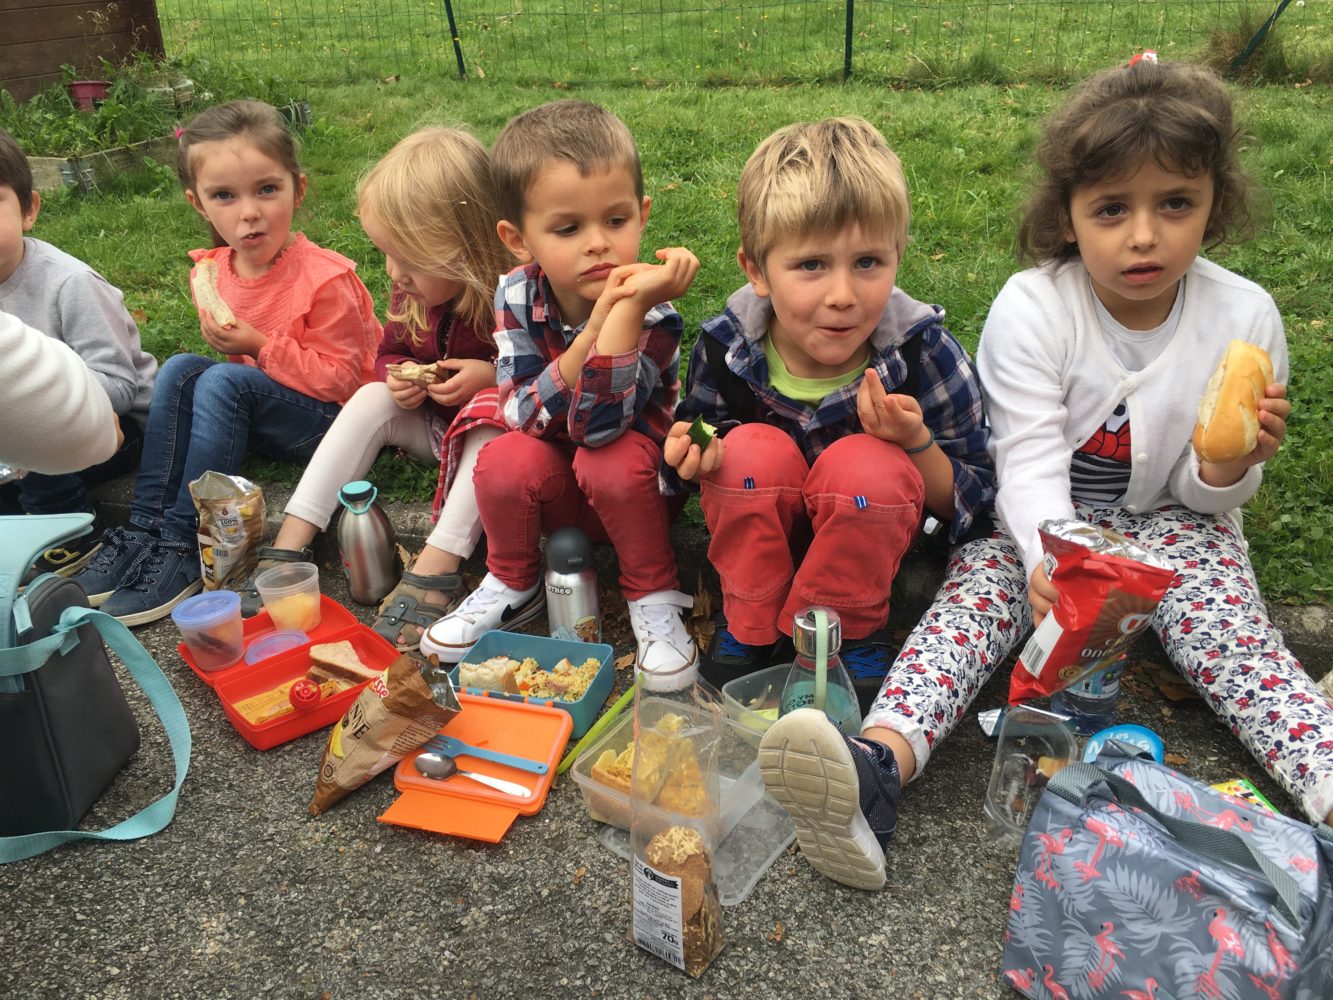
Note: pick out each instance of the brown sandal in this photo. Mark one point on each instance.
(406, 607)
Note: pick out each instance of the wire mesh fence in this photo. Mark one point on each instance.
(719, 41)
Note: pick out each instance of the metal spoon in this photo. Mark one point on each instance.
(437, 767)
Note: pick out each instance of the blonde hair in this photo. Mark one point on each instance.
(818, 177)
(432, 192)
(585, 135)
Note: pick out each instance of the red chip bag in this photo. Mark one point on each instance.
(1109, 587)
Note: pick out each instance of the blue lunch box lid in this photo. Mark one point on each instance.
(1136, 736)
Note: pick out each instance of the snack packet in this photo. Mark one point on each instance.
(1109, 587)
(675, 820)
(395, 713)
(231, 528)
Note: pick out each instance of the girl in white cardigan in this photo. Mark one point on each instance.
(1092, 365)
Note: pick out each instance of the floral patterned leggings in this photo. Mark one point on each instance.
(1212, 623)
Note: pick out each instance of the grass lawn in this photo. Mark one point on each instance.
(965, 149)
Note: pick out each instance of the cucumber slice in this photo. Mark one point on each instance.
(701, 432)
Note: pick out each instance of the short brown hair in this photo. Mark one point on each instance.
(1176, 114)
(15, 171)
(577, 132)
(818, 177)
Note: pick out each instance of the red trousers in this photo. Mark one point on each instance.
(527, 486)
(787, 535)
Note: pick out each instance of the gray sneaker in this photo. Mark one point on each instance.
(112, 565)
(167, 573)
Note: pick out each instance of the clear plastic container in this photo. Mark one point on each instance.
(211, 627)
(752, 700)
(1033, 745)
(290, 593)
(274, 643)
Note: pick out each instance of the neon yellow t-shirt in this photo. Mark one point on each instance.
(810, 391)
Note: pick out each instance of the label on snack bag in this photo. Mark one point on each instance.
(657, 916)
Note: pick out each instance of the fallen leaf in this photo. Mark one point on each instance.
(778, 932)
(578, 875)
(1176, 759)
(481, 73)
(671, 187)
(626, 660)
(140, 317)
(1166, 680)
(937, 256)
(390, 79)
(700, 623)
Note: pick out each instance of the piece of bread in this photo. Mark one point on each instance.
(338, 661)
(414, 372)
(495, 674)
(1228, 426)
(204, 283)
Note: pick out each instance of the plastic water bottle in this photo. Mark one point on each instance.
(571, 587)
(1092, 701)
(366, 544)
(818, 678)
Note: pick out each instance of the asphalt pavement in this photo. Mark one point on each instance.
(246, 895)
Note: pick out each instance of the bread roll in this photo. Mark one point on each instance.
(499, 673)
(204, 282)
(1228, 426)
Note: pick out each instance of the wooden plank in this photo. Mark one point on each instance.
(47, 5)
(23, 88)
(50, 172)
(19, 27)
(33, 58)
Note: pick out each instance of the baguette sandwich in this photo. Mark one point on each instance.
(1228, 426)
(412, 371)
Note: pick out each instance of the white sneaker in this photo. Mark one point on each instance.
(492, 606)
(668, 656)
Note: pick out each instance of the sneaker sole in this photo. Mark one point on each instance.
(808, 769)
(161, 611)
(446, 653)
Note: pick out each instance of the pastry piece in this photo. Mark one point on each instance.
(414, 372)
(499, 673)
(338, 662)
(204, 283)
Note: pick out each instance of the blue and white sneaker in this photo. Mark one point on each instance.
(112, 564)
(166, 574)
(842, 793)
(493, 605)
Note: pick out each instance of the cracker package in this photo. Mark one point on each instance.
(394, 714)
(675, 826)
(231, 528)
(1109, 588)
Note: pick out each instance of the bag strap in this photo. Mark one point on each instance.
(1075, 781)
(64, 637)
(26, 536)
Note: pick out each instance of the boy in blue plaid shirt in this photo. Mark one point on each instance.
(589, 374)
(844, 410)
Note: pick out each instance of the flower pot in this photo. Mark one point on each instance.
(85, 92)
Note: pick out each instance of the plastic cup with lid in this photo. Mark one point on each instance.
(210, 625)
(290, 592)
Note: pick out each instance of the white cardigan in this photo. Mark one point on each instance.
(54, 415)
(1049, 382)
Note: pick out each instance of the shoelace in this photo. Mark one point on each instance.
(114, 543)
(729, 645)
(865, 661)
(148, 567)
(660, 618)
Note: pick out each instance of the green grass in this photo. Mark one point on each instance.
(966, 151)
(722, 42)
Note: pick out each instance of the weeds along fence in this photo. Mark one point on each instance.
(727, 41)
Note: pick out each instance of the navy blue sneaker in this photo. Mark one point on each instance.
(112, 564)
(167, 573)
(868, 661)
(726, 657)
(842, 794)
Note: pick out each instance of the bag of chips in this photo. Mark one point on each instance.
(231, 528)
(1109, 587)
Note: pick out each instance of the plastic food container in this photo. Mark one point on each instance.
(290, 593)
(210, 626)
(1033, 745)
(548, 652)
(753, 700)
(754, 829)
(274, 643)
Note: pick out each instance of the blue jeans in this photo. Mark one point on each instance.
(68, 493)
(205, 415)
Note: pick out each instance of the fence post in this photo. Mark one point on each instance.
(847, 44)
(453, 33)
(1258, 38)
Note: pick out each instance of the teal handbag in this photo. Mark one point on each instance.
(65, 727)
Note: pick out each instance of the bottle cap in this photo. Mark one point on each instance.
(304, 694)
(568, 551)
(803, 632)
(358, 495)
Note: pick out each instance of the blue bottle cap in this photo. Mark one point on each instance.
(1136, 736)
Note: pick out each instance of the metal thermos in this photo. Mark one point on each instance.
(571, 587)
(366, 544)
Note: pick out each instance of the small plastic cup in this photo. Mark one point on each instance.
(210, 625)
(290, 593)
(273, 643)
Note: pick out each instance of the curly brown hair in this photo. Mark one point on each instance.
(1177, 114)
